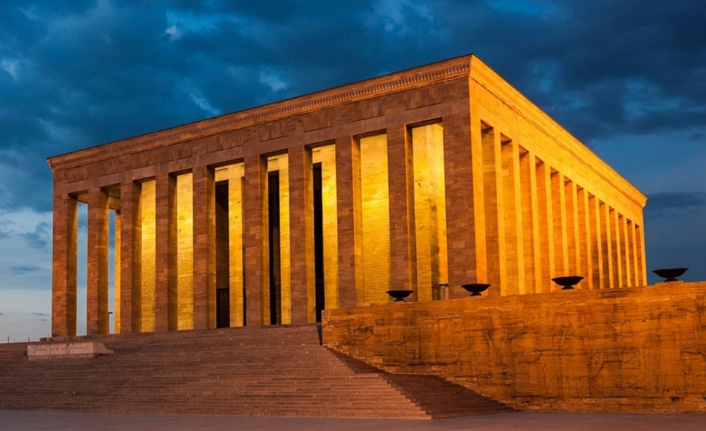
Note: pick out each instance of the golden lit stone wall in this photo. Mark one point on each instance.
(375, 210)
(281, 163)
(552, 208)
(235, 216)
(326, 155)
(429, 210)
(149, 231)
(634, 349)
(116, 275)
(185, 251)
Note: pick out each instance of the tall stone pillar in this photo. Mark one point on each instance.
(545, 230)
(116, 270)
(130, 257)
(493, 205)
(642, 261)
(584, 239)
(596, 243)
(255, 238)
(625, 250)
(97, 262)
(166, 317)
(403, 270)
(607, 247)
(463, 164)
(572, 228)
(559, 214)
(530, 222)
(204, 248)
(512, 211)
(350, 240)
(301, 219)
(637, 273)
(616, 249)
(65, 256)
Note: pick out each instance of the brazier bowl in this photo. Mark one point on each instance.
(399, 295)
(670, 274)
(567, 282)
(475, 288)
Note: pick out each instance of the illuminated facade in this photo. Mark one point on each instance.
(439, 174)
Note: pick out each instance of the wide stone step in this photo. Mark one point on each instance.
(273, 371)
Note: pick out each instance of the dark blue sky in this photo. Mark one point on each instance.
(626, 77)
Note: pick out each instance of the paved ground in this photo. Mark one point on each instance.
(41, 421)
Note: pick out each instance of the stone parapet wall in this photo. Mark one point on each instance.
(634, 349)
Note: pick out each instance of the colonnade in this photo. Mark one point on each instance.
(275, 237)
(542, 223)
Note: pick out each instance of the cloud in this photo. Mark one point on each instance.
(668, 203)
(39, 239)
(23, 269)
(2, 314)
(40, 314)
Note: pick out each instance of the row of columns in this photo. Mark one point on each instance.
(541, 224)
(464, 262)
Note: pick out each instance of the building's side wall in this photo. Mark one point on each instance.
(637, 349)
(529, 162)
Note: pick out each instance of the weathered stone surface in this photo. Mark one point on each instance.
(636, 349)
(66, 350)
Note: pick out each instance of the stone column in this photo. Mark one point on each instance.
(512, 211)
(350, 240)
(204, 248)
(585, 243)
(642, 261)
(97, 262)
(116, 268)
(545, 211)
(572, 228)
(625, 251)
(130, 257)
(65, 256)
(530, 222)
(403, 270)
(301, 219)
(493, 211)
(255, 238)
(596, 243)
(633, 249)
(559, 215)
(616, 249)
(166, 317)
(607, 247)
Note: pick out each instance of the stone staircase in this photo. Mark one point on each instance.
(262, 371)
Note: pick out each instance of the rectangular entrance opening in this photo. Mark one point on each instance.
(273, 210)
(319, 242)
(222, 256)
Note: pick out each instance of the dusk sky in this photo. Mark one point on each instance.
(627, 77)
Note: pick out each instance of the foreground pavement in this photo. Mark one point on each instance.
(525, 421)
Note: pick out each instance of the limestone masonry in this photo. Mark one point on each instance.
(438, 174)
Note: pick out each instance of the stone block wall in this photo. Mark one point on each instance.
(635, 349)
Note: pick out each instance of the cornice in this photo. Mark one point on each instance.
(366, 89)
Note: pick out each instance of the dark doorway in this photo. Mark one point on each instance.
(222, 308)
(319, 242)
(222, 256)
(274, 234)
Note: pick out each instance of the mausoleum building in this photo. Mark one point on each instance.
(441, 174)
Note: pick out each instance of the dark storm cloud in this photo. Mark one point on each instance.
(670, 203)
(79, 73)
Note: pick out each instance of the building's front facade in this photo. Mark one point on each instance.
(438, 174)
